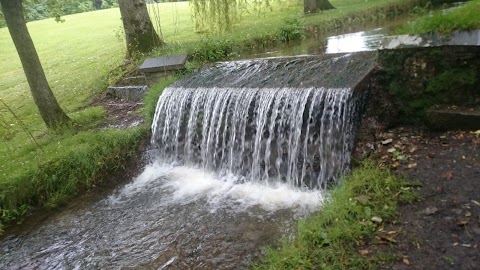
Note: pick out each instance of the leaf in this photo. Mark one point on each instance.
(389, 239)
(377, 219)
(412, 165)
(363, 251)
(430, 210)
(363, 199)
(468, 214)
(406, 261)
(462, 223)
(391, 232)
(391, 150)
(447, 175)
(387, 141)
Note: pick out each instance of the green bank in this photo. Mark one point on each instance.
(83, 55)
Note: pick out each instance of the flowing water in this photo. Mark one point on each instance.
(241, 152)
(171, 217)
(298, 136)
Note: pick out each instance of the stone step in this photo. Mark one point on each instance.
(453, 118)
(131, 92)
(134, 80)
(163, 64)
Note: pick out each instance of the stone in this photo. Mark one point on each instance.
(445, 119)
(134, 92)
(163, 64)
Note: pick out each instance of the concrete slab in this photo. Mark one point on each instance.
(133, 92)
(162, 64)
(459, 119)
(329, 71)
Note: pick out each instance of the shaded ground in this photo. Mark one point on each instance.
(120, 113)
(442, 229)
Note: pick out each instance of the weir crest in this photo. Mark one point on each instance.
(259, 120)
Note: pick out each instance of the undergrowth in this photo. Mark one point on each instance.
(330, 238)
(466, 17)
(73, 163)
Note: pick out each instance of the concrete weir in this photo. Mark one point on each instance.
(278, 120)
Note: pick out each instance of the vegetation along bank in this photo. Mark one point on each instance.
(41, 167)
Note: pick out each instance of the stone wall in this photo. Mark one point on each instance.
(408, 82)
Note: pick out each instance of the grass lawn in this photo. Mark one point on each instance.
(38, 166)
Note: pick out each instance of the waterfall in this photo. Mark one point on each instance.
(301, 135)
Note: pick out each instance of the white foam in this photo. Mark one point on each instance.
(184, 185)
(190, 184)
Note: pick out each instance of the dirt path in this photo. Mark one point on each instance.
(442, 229)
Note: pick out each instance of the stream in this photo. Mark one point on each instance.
(178, 217)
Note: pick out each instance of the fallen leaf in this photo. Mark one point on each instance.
(377, 219)
(475, 202)
(447, 176)
(391, 150)
(413, 149)
(412, 165)
(363, 199)
(406, 261)
(387, 141)
(389, 239)
(392, 232)
(466, 245)
(430, 210)
(468, 214)
(363, 251)
(462, 223)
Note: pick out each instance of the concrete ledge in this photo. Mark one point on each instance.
(134, 92)
(163, 64)
(445, 119)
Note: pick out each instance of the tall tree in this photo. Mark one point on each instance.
(315, 6)
(49, 109)
(97, 4)
(139, 32)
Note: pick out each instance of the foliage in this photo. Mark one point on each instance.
(152, 97)
(211, 49)
(70, 163)
(330, 238)
(293, 29)
(218, 16)
(42, 9)
(418, 79)
(466, 17)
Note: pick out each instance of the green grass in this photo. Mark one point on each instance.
(331, 238)
(80, 57)
(466, 17)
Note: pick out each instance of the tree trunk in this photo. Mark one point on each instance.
(314, 6)
(97, 4)
(139, 32)
(50, 111)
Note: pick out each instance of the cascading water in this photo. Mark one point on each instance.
(260, 122)
(298, 135)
